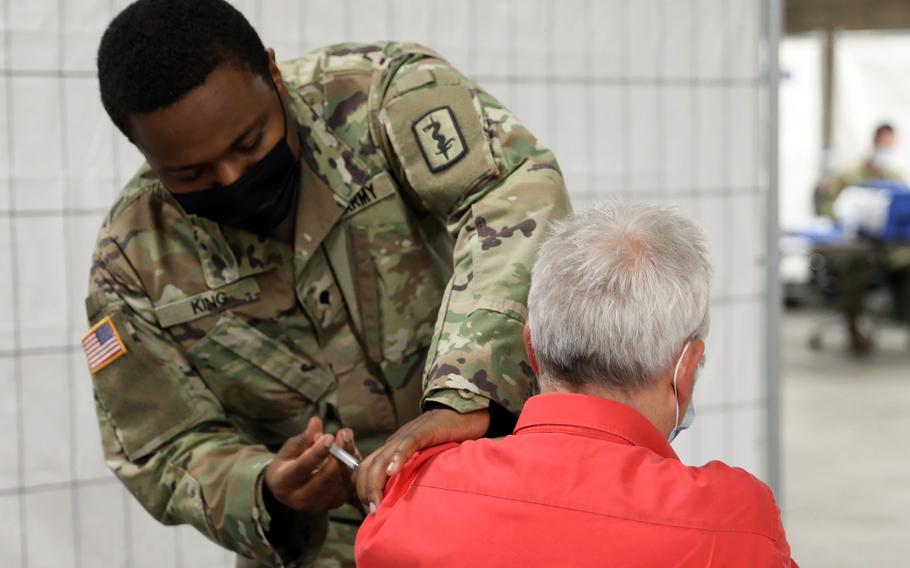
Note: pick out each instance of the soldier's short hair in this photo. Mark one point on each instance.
(156, 51)
(615, 293)
(881, 130)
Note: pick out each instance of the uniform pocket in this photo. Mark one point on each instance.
(150, 394)
(410, 285)
(257, 376)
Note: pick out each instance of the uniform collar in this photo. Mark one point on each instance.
(330, 175)
(591, 415)
(319, 207)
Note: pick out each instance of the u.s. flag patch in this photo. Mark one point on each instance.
(102, 345)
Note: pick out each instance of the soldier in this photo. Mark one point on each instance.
(879, 165)
(339, 242)
(855, 266)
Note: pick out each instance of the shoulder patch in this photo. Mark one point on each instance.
(438, 135)
(440, 139)
(102, 345)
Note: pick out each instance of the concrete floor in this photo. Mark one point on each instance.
(846, 441)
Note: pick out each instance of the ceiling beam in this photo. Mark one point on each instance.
(809, 15)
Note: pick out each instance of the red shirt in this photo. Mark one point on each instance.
(584, 481)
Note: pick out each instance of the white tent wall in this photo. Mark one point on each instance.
(871, 86)
(800, 127)
(665, 100)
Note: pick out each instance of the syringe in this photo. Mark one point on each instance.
(344, 457)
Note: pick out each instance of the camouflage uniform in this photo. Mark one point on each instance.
(854, 265)
(422, 203)
(852, 176)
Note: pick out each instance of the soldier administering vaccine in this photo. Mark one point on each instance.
(331, 245)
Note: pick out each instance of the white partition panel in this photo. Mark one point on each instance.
(671, 101)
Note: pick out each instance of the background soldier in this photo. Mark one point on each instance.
(855, 267)
(879, 165)
(330, 244)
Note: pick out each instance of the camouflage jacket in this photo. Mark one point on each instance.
(421, 205)
(855, 175)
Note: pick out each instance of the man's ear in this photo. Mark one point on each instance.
(532, 357)
(276, 73)
(688, 370)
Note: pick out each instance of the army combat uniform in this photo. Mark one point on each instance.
(421, 205)
(855, 175)
(855, 265)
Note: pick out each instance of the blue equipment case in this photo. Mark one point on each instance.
(897, 225)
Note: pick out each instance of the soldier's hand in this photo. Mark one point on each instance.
(431, 428)
(305, 477)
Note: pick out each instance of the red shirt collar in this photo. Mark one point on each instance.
(594, 415)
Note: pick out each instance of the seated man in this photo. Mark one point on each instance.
(618, 314)
(879, 165)
(855, 269)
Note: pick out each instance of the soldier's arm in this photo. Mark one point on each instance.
(165, 435)
(465, 158)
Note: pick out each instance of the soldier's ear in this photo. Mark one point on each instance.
(532, 357)
(274, 71)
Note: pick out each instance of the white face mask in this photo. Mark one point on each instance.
(883, 158)
(690, 411)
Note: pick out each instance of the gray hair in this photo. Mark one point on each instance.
(615, 292)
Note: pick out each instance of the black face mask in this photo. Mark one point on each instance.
(258, 200)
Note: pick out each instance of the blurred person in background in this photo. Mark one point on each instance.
(618, 316)
(879, 165)
(336, 243)
(855, 267)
